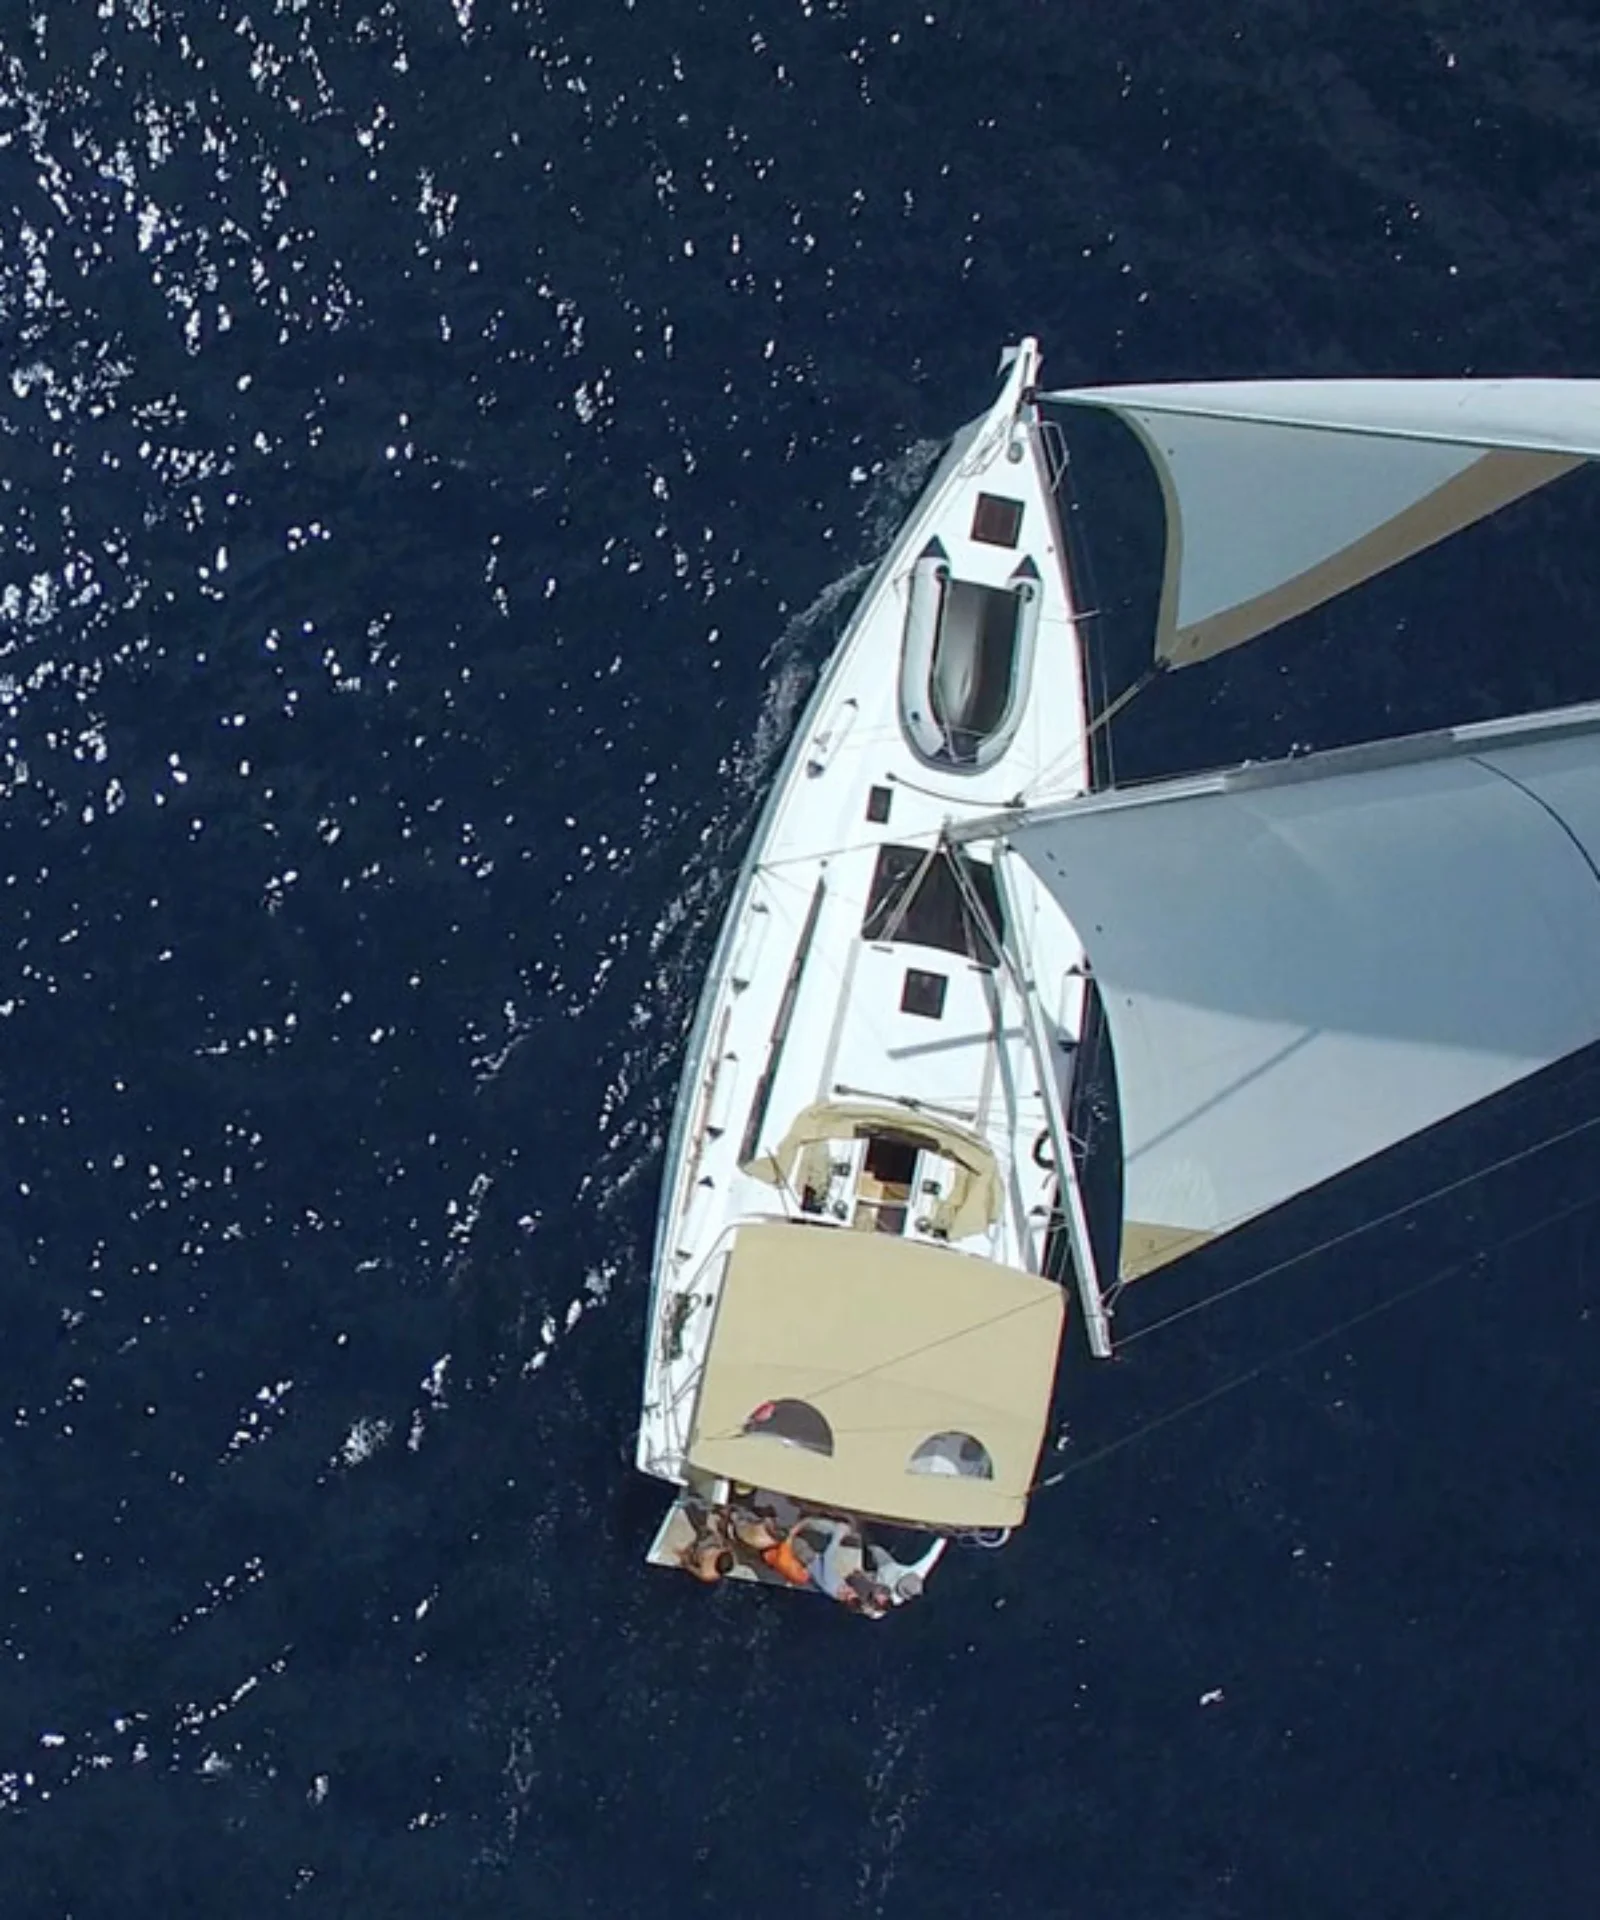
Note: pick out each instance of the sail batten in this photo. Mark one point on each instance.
(1300, 971)
(1280, 495)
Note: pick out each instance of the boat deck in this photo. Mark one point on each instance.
(844, 974)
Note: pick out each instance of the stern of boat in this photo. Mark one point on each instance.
(901, 1560)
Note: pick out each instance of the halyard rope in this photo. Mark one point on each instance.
(1283, 1358)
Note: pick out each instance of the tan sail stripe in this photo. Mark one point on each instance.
(1146, 1246)
(1489, 483)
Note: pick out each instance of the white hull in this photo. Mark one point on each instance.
(799, 1008)
(854, 1322)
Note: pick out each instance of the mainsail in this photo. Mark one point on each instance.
(1305, 962)
(1281, 494)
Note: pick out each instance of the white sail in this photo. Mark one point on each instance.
(1282, 494)
(1304, 963)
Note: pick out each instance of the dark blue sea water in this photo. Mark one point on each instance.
(439, 443)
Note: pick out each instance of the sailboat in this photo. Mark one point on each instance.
(873, 1220)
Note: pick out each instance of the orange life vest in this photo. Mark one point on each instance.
(787, 1564)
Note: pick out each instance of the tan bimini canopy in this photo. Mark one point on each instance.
(976, 1196)
(895, 1345)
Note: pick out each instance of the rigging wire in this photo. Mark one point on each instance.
(1040, 782)
(1128, 695)
(1283, 1358)
(909, 892)
(1085, 608)
(1030, 1305)
(934, 793)
(1363, 1226)
(1267, 1273)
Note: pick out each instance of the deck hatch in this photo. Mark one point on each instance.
(940, 898)
(923, 993)
(997, 521)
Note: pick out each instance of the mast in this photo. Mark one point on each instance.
(1097, 1323)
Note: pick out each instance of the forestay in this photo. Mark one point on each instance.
(1282, 494)
(1306, 962)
